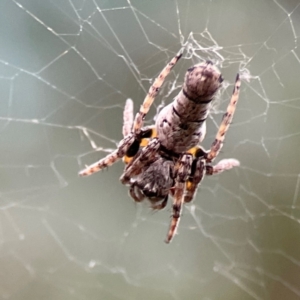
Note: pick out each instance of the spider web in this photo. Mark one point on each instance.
(66, 70)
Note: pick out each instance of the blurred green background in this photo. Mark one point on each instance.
(66, 70)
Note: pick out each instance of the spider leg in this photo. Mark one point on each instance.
(124, 145)
(146, 155)
(136, 193)
(110, 159)
(227, 118)
(127, 117)
(199, 169)
(127, 147)
(161, 205)
(127, 123)
(197, 175)
(153, 91)
(222, 165)
(183, 173)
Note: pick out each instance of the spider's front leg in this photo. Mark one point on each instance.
(129, 147)
(145, 156)
(153, 91)
(128, 144)
(183, 173)
(227, 119)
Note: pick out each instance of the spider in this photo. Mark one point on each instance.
(166, 159)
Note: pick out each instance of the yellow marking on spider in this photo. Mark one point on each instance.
(144, 142)
(193, 151)
(189, 185)
(127, 159)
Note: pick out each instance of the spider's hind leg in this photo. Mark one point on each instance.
(227, 118)
(153, 91)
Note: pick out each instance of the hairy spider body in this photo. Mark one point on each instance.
(154, 181)
(166, 159)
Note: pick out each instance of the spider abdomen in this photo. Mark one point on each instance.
(181, 124)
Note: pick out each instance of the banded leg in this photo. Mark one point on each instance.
(183, 173)
(153, 91)
(222, 165)
(200, 170)
(110, 159)
(123, 147)
(193, 182)
(227, 118)
(127, 148)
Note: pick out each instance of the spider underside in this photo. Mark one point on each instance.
(166, 159)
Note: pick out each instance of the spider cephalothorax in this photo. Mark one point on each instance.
(166, 159)
(153, 182)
